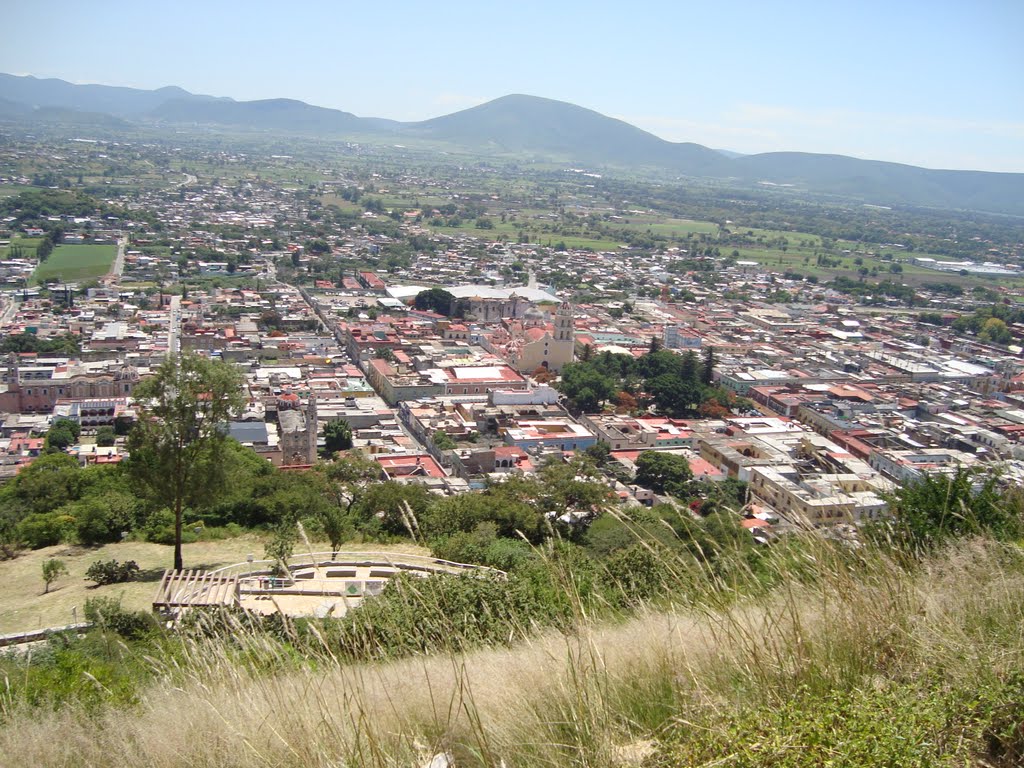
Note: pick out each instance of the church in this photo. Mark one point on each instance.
(535, 340)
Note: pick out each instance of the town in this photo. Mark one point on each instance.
(512, 385)
(435, 324)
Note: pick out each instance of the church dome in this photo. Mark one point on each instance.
(533, 316)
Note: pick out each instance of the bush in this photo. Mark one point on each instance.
(482, 546)
(159, 529)
(45, 530)
(112, 572)
(107, 613)
(101, 519)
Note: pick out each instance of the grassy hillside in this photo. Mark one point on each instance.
(25, 607)
(851, 659)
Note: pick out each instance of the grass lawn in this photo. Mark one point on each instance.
(76, 262)
(26, 244)
(24, 606)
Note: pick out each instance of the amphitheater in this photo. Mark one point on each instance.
(316, 584)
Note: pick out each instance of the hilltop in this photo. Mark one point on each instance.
(854, 660)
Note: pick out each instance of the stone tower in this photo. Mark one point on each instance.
(312, 428)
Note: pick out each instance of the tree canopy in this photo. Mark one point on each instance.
(436, 300)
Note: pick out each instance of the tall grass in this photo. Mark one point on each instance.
(848, 658)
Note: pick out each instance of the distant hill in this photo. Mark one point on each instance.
(520, 124)
(9, 108)
(113, 100)
(886, 183)
(267, 114)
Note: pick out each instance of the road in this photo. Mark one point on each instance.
(118, 266)
(174, 328)
(10, 307)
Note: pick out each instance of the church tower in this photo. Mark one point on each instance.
(312, 428)
(564, 330)
(563, 345)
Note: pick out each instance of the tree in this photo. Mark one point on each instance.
(337, 435)
(994, 330)
(62, 434)
(44, 249)
(348, 478)
(708, 369)
(435, 300)
(443, 441)
(177, 442)
(53, 570)
(105, 436)
(663, 472)
(586, 386)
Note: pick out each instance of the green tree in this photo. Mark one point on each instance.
(663, 472)
(58, 439)
(435, 300)
(105, 436)
(177, 443)
(586, 386)
(281, 545)
(708, 368)
(443, 441)
(44, 249)
(52, 570)
(337, 436)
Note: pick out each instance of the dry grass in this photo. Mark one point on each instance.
(599, 697)
(25, 607)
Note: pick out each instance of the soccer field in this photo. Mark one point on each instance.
(76, 262)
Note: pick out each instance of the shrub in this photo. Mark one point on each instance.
(45, 529)
(53, 570)
(112, 572)
(159, 529)
(107, 613)
(101, 519)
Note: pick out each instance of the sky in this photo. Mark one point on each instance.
(937, 83)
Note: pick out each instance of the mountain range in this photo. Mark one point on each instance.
(521, 125)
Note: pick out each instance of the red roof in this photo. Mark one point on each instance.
(410, 465)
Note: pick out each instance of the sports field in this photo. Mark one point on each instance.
(76, 262)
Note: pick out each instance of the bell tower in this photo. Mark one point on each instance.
(564, 330)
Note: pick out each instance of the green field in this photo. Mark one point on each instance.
(27, 246)
(76, 262)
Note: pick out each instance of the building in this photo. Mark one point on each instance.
(534, 342)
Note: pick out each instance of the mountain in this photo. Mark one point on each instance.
(113, 100)
(519, 123)
(267, 115)
(530, 125)
(886, 183)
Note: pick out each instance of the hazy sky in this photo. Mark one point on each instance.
(937, 83)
